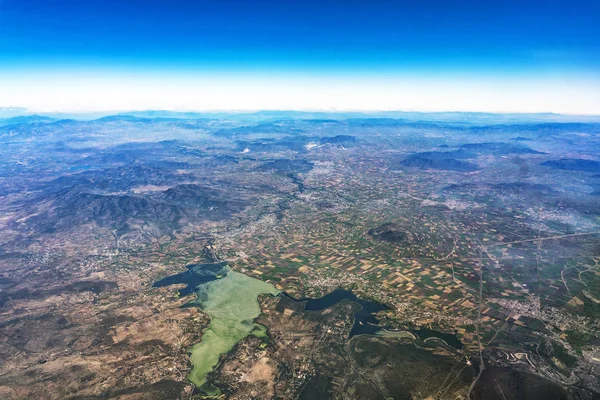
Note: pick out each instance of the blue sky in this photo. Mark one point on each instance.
(128, 44)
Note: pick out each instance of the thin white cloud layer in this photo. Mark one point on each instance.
(64, 92)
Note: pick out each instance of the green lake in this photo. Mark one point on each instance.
(232, 304)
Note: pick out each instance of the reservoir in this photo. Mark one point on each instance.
(231, 300)
(195, 275)
(365, 322)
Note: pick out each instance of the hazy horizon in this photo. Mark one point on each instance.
(7, 112)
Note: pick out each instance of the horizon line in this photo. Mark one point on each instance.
(123, 111)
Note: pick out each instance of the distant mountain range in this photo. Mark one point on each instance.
(26, 119)
(461, 118)
(574, 164)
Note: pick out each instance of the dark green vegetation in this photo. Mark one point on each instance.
(505, 383)
(288, 166)
(498, 149)
(404, 371)
(424, 247)
(439, 162)
(389, 232)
